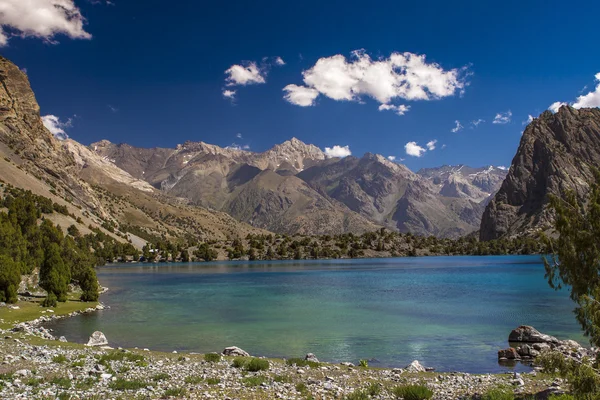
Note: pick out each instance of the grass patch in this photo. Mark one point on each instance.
(301, 362)
(498, 394)
(193, 379)
(163, 376)
(175, 392)
(357, 395)
(85, 384)
(302, 389)
(412, 392)
(79, 363)
(59, 359)
(124, 384)
(62, 382)
(282, 379)
(34, 382)
(120, 356)
(253, 381)
(257, 364)
(374, 389)
(30, 310)
(213, 381)
(212, 357)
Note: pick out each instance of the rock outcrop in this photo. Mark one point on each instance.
(557, 153)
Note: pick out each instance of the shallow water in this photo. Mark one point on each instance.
(451, 313)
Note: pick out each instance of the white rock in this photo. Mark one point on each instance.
(235, 351)
(415, 366)
(97, 339)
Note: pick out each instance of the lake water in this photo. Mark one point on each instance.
(450, 313)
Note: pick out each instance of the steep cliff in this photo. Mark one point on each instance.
(556, 154)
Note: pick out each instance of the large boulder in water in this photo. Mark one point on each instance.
(528, 334)
(97, 339)
(235, 351)
(508, 354)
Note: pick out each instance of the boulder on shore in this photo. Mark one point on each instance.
(415, 366)
(508, 354)
(311, 357)
(97, 339)
(235, 351)
(528, 334)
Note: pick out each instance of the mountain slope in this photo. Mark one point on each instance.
(92, 188)
(556, 153)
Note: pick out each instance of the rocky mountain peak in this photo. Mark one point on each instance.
(557, 153)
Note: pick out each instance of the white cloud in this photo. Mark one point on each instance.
(592, 99)
(43, 19)
(502, 118)
(399, 110)
(413, 149)
(279, 61)
(246, 147)
(56, 127)
(244, 75)
(113, 108)
(431, 144)
(238, 135)
(338, 151)
(391, 158)
(457, 127)
(556, 105)
(229, 94)
(476, 122)
(235, 146)
(530, 119)
(502, 167)
(300, 95)
(403, 75)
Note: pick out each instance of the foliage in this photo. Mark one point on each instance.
(498, 394)
(257, 364)
(363, 363)
(357, 395)
(301, 362)
(175, 392)
(253, 381)
(239, 362)
(9, 279)
(412, 392)
(212, 357)
(575, 262)
(124, 384)
(213, 381)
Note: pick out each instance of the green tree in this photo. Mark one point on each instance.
(575, 262)
(54, 274)
(10, 278)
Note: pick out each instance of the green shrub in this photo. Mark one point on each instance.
(193, 379)
(175, 392)
(212, 357)
(282, 379)
(239, 362)
(301, 387)
(124, 384)
(363, 363)
(498, 394)
(301, 362)
(62, 382)
(357, 395)
(253, 381)
(213, 381)
(562, 397)
(161, 377)
(412, 392)
(59, 359)
(50, 301)
(257, 364)
(374, 389)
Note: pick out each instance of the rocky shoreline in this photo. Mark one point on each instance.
(36, 365)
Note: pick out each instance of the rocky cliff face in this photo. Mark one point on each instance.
(556, 153)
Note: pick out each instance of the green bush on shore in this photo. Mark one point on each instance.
(412, 392)
(212, 357)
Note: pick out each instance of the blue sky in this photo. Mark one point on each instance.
(154, 74)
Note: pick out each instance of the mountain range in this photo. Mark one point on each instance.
(202, 191)
(294, 188)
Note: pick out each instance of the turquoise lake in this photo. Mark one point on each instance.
(450, 313)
